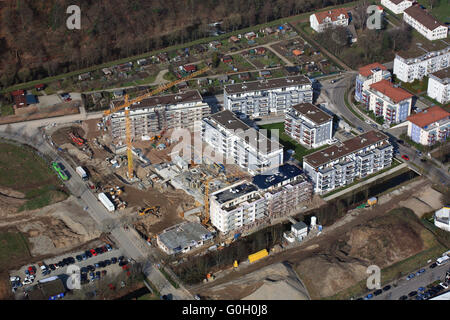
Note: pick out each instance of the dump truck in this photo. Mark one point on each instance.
(106, 202)
(82, 173)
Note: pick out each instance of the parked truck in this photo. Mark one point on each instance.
(82, 173)
(106, 202)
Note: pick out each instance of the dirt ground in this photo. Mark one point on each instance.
(338, 258)
(33, 113)
(61, 136)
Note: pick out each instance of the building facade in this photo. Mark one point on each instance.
(397, 6)
(236, 206)
(340, 164)
(264, 97)
(321, 21)
(392, 103)
(425, 23)
(238, 143)
(309, 125)
(439, 86)
(155, 114)
(430, 126)
(409, 67)
(368, 75)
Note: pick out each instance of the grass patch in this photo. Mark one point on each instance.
(169, 278)
(288, 142)
(13, 247)
(6, 110)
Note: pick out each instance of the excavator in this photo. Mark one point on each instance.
(155, 210)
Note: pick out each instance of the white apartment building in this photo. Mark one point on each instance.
(264, 97)
(429, 126)
(158, 113)
(271, 195)
(397, 6)
(327, 19)
(439, 86)
(442, 218)
(425, 23)
(342, 163)
(309, 125)
(411, 66)
(235, 206)
(392, 103)
(368, 75)
(236, 142)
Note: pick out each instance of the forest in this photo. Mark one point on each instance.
(35, 41)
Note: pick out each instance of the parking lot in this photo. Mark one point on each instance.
(62, 272)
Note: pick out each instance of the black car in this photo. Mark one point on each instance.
(403, 298)
(102, 264)
(91, 268)
(378, 292)
(65, 261)
(121, 258)
(99, 250)
(107, 262)
(386, 288)
(61, 264)
(114, 260)
(400, 141)
(433, 265)
(412, 293)
(71, 260)
(123, 263)
(79, 258)
(84, 270)
(52, 266)
(88, 254)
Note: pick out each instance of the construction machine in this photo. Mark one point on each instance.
(206, 215)
(155, 210)
(128, 103)
(77, 140)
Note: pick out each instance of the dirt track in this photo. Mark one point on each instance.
(322, 243)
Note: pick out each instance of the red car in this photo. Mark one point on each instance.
(93, 252)
(405, 157)
(32, 270)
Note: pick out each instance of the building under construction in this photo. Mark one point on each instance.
(154, 115)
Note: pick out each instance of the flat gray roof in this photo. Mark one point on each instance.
(169, 99)
(267, 84)
(313, 113)
(183, 234)
(235, 192)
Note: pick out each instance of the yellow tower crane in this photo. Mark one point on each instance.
(206, 218)
(127, 103)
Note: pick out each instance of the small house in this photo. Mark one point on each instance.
(234, 39)
(265, 73)
(31, 99)
(182, 85)
(20, 101)
(40, 87)
(118, 94)
(142, 62)
(84, 76)
(189, 68)
(268, 30)
(227, 59)
(244, 76)
(299, 230)
(215, 44)
(297, 52)
(292, 70)
(250, 35)
(260, 50)
(223, 78)
(107, 71)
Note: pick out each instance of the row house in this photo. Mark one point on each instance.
(342, 163)
(430, 126)
(309, 125)
(268, 96)
(397, 6)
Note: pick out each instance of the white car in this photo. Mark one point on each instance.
(27, 281)
(444, 285)
(14, 279)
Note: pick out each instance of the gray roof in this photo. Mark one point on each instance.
(164, 100)
(183, 234)
(299, 225)
(313, 113)
(235, 192)
(267, 84)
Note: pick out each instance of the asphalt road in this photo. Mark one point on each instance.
(132, 246)
(403, 286)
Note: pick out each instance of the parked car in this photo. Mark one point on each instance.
(412, 293)
(84, 256)
(107, 262)
(79, 258)
(378, 292)
(400, 141)
(114, 260)
(433, 265)
(360, 129)
(421, 289)
(403, 298)
(97, 265)
(91, 268)
(444, 285)
(93, 252)
(88, 253)
(52, 266)
(108, 247)
(405, 157)
(409, 277)
(386, 288)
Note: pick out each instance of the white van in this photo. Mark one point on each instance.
(442, 260)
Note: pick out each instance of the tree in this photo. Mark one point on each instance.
(215, 60)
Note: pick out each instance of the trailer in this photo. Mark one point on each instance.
(106, 202)
(82, 173)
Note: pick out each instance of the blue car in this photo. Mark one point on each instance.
(108, 247)
(409, 277)
(422, 270)
(369, 296)
(421, 289)
(84, 256)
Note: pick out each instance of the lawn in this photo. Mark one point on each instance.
(23, 170)
(13, 247)
(288, 142)
(6, 110)
(440, 11)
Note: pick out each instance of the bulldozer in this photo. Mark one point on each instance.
(155, 210)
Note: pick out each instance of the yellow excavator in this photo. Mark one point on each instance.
(155, 210)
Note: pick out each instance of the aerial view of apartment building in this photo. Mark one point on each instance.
(157, 113)
(409, 66)
(244, 145)
(368, 75)
(439, 85)
(264, 97)
(425, 23)
(342, 163)
(430, 126)
(320, 21)
(397, 6)
(309, 125)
